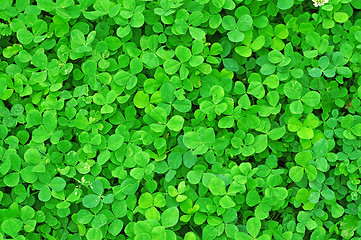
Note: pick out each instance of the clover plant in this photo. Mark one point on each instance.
(180, 119)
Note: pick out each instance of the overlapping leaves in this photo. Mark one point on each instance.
(206, 119)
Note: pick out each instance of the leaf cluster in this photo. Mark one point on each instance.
(180, 119)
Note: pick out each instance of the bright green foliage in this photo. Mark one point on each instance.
(180, 119)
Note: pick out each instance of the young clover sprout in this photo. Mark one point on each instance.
(319, 3)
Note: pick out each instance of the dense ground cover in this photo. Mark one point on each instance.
(171, 119)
